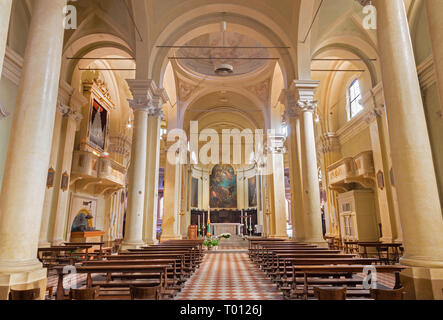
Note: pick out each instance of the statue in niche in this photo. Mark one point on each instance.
(83, 222)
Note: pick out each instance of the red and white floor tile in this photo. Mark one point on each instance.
(229, 276)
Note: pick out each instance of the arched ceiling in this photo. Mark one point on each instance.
(224, 110)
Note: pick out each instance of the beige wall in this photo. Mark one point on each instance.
(359, 143)
(8, 94)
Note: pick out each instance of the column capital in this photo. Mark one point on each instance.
(277, 144)
(305, 91)
(289, 100)
(299, 97)
(146, 96)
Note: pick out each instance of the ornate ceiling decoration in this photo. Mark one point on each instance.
(261, 90)
(238, 48)
(186, 90)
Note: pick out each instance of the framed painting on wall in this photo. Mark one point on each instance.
(252, 192)
(194, 193)
(65, 181)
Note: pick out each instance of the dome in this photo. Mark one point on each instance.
(240, 49)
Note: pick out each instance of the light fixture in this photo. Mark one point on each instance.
(223, 68)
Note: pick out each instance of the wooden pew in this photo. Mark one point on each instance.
(333, 270)
(159, 273)
(184, 271)
(190, 258)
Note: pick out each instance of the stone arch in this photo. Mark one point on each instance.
(239, 20)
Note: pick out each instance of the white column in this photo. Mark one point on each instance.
(152, 177)
(24, 182)
(44, 240)
(5, 14)
(71, 123)
(170, 223)
(292, 117)
(415, 180)
(278, 216)
(137, 171)
(313, 232)
(434, 9)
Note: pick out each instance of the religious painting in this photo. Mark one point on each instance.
(194, 193)
(252, 192)
(223, 187)
(65, 181)
(50, 178)
(98, 125)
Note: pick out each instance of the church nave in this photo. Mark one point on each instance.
(229, 276)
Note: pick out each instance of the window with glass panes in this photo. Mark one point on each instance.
(355, 106)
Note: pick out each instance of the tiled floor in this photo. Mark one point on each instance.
(229, 276)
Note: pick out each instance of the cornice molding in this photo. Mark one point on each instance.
(426, 73)
(328, 143)
(3, 113)
(12, 66)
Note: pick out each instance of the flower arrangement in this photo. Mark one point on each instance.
(215, 241)
(211, 242)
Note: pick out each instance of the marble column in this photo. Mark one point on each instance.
(141, 104)
(70, 126)
(152, 174)
(5, 14)
(278, 199)
(313, 232)
(171, 201)
(419, 206)
(292, 118)
(24, 182)
(434, 9)
(375, 118)
(45, 229)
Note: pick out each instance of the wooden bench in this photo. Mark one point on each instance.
(332, 270)
(159, 273)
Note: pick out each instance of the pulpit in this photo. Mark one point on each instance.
(87, 236)
(192, 232)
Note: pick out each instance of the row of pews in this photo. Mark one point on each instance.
(154, 272)
(305, 271)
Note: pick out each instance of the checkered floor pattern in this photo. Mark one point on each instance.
(229, 276)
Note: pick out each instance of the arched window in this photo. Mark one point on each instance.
(354, 94)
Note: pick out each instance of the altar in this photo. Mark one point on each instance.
(231, 228)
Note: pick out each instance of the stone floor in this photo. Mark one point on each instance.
(229, 276)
